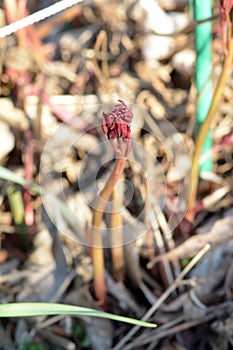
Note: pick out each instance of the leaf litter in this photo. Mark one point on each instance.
(56, 75)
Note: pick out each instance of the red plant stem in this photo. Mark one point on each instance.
(97, 251)
(27, 37)
(117, 251)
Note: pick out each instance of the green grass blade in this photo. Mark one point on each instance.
(9, 175)
(44, 309)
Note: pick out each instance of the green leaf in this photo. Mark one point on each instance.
(31, 345)
(44, 309)
(9, 175)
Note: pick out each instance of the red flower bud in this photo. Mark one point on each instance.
(116, 126)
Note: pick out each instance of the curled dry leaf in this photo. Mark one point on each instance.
(220, 233)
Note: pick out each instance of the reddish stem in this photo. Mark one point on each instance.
(97, 251)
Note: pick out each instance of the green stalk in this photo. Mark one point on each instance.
(15, 199)
(227, 67)
(203, 39)
(191, 8)
(17, 207)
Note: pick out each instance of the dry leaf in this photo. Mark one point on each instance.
(220, 233)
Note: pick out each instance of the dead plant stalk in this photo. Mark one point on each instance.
(227, 68)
